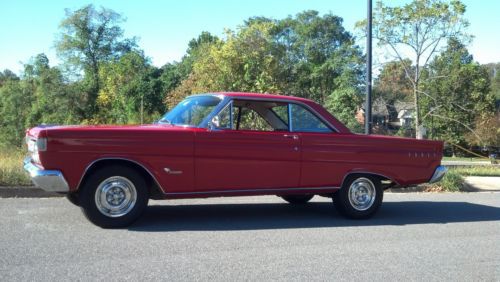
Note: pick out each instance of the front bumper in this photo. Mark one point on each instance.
(48, 180)
(438, 174)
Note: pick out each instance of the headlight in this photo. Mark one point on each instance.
(35, 146)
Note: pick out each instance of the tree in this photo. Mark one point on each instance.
(494, 72)
(90, 37)
(391, 86)
(487, 127)
(307, 55)
(15, 98)
(314, 50)
(457, 94)
(131, 90)
(52, 102)
(418, 30)
(7, 75)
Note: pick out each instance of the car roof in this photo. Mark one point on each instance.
(262, 96)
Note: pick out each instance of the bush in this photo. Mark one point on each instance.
(451, 182)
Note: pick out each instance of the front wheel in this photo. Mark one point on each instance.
(114, 197)
(359, 197)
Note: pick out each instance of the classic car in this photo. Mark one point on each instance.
(226, 144)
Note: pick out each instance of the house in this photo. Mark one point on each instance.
(388, 116)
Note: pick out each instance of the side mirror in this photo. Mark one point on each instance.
(211, 126)
(215, 121)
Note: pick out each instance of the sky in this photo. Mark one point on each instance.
(164, 27)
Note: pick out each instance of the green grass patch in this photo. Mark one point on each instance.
(11, 168)
(464, 159)
(477, 170)
(451, 182)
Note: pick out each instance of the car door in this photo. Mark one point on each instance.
(231, 156)
(319, 154)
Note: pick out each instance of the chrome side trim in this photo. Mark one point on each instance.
(120, 159)
(169, 171)
(438, 174)
(48, 180)
(277, 190)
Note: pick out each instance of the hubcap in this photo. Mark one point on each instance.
(362, 194)
(115, 196)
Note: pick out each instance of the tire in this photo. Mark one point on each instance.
(73, 198)
(297, 199)
(359, 197)
(114, 197)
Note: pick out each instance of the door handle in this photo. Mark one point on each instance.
(291, 136)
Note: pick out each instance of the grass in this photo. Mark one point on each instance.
(453, 181)
(477, 170)
(11, 168)
(464, 159)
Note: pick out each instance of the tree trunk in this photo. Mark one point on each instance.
(418, 134)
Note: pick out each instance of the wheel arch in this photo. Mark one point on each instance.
(153, 184)
(390, 181)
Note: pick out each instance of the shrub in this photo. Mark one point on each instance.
(451, 182)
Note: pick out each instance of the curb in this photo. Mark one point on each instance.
(26, 192)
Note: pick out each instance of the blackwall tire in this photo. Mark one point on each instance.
(114, 197)
(73, 198)
(360, 197)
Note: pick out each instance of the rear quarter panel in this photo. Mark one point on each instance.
(328, 158)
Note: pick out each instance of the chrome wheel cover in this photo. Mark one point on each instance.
(115, 196)
(362, 194)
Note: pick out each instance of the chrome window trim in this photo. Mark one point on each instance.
(226, 99)
(273, 190)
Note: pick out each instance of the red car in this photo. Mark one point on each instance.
(226, 144)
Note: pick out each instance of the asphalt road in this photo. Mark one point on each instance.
(427, 237)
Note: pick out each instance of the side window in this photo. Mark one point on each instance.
(253, 115)
(249, 119)
(305, 121)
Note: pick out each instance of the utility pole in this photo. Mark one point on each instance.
(368, 104)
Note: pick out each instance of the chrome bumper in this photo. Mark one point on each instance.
(438, 174)
(48, 180)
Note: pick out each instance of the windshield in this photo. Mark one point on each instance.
(191, 111)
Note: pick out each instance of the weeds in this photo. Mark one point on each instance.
(11, 168)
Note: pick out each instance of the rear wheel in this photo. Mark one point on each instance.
(297, 199)
(360, 197)
(114, 197)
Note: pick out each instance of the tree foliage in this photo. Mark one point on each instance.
(89, 37)
(457, 94)
(419, 30)
(106, 78)
(307, 55)
(392, 85)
